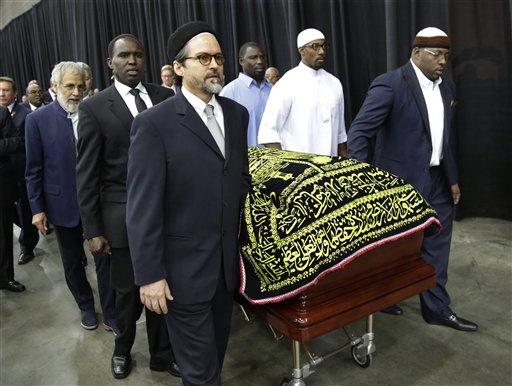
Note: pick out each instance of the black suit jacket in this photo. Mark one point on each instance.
(184, 198)
(19, 114)
(27, 105)
(10, 143)
(47, 97)
(103, 142)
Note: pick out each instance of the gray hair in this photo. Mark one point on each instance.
(84, 65)
(67, 67)
(180, 58)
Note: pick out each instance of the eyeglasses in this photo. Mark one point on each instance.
(70, 87)
(206, 59)
(317, 46)
(438, 55)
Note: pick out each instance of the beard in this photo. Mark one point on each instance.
(69, 107)
(213, 88)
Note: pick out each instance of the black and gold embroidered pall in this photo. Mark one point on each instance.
(307, 215)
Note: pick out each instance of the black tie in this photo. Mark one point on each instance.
(139, 102)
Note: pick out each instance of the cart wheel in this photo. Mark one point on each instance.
(285, 381)
(361, 360)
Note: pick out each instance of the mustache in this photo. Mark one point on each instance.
(213, 72)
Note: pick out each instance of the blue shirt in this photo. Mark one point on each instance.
(245, 91)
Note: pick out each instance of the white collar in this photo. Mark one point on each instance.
(125, 90)
(424, 81)
(197, 102)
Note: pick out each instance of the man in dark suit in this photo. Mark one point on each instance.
(187, 180)
(35, 101)
(410, 113)
(51, 184)
(103, 141)
(35, 95)
(10, 143)
(29, 237)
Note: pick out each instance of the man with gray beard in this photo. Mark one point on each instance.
(50, 136)
(187, 179)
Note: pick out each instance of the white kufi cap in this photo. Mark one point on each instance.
(308, 35)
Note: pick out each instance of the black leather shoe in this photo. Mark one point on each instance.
(111, 326)
(25, 257)
(13, 286)
(121, 366)
(393, 310)
(174, 370)
(452, 321)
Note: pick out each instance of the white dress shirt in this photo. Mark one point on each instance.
(199, 106)
(129, 99)
(74, 122)
(435, 108)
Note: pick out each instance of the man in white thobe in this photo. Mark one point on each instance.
(305, 109)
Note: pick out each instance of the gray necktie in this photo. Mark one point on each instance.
(139, 102)
(214, 128)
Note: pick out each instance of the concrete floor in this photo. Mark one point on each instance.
(42, 343)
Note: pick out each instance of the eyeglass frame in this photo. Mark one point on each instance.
(70, 87)
(438, 55)
(217, 57)
(316, 46)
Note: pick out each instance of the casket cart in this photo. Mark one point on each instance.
(378, 279)
(305, 298)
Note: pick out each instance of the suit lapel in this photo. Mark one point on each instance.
(228, 129)
(154, 93)
(118, 107)
(414, 84)
(194, 123)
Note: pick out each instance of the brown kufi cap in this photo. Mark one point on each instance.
(431, 37)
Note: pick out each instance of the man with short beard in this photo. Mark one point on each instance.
(305, 111)
(250, 89)
(50, 136)
(405, 126)
(187, 180)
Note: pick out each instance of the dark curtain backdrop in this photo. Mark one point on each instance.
(366, 38)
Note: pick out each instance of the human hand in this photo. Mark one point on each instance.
(155, 295)
(455, 193)
(39, 220)
(99, 244)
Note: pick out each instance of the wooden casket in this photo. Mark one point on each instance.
(326, 241)
(377, 279)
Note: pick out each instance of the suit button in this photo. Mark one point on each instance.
(223, 233)
(225, 172)
(225, 204)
